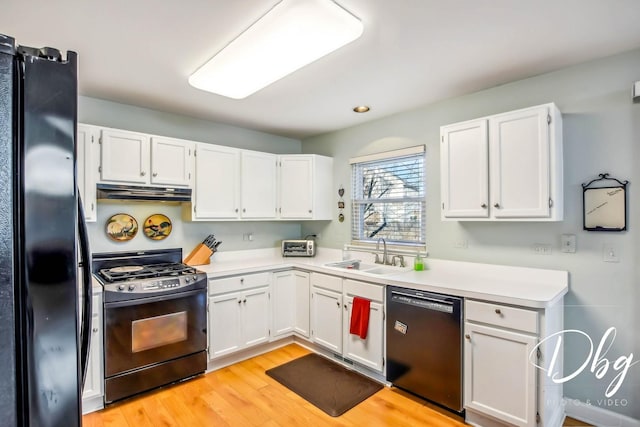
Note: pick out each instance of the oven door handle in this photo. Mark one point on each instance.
(158, 298)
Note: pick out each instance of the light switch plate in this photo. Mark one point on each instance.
(568, 243)
(610, 253)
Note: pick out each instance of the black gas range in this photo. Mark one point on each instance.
(155, 320)
(143, 274)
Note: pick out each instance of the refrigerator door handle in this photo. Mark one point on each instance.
(87, 294)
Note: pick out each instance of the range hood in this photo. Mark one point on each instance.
(143, 194)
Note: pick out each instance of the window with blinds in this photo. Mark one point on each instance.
(388, 197)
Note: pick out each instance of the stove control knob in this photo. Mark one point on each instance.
(132, 287)
(187, 279)
(195, 277)
(121, 287)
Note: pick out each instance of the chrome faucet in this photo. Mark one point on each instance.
(385, 257)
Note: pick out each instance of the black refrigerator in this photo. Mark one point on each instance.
(44, 328)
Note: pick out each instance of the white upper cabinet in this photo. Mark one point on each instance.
(233, 184)
(124, 157)
(504, 167)
(305, 187)
(464, 165)
(217, 189)
(258, 185)
(136, 158)
(87, 167)
(171, 161)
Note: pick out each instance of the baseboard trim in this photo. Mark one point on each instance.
(597, 416)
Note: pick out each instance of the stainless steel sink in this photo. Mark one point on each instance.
(359, 266)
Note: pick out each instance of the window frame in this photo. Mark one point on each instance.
(357, 220)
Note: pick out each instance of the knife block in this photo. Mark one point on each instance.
(200, 255)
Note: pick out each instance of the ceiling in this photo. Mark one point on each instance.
(412, 53)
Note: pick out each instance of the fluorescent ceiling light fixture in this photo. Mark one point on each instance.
(294, 33)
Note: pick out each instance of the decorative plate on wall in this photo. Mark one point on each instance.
(122, 227)
(157, 227)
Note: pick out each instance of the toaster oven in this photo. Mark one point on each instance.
(306, 248)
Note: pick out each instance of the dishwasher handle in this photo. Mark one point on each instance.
(427, 302)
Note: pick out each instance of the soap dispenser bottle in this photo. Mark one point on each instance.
(418, 263)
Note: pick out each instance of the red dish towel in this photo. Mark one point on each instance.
(360, 317)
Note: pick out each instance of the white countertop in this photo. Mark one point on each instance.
(522, 286)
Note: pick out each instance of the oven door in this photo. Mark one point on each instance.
(143, 332)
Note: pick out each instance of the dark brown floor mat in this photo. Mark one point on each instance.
(324, 383)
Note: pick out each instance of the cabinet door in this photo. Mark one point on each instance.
(302, 303)
(326, 320)
(124, 157)
(519, 164)
(296, 186)
(258, 184)
(217, 182)
(255, 316)
(367, 352)
(93, 380)
(499, 380)
(87, 165)
(464, 171)
(171, 161)
(224, 324)
(283, 303)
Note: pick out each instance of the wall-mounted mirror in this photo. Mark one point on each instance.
(605, 204)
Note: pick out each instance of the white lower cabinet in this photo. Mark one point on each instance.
(238, 313)
(501, 380)
(290, 303)
(93, 390)
(326, 311)
(331, 308)
(370, 351)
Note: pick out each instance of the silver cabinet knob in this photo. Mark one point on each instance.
(497, 205)
(154, 174)
(338, 303)
(483, 206)
(239, 301)
(244, 209)
(310, 211)
(498, 311)
(236, 210)
(143, 173)
(242, 280)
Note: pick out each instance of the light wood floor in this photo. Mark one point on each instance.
(243, 395)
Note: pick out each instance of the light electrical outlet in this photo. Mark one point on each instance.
(461, 243)
(610, 253)
(542, 249)
(568, 243)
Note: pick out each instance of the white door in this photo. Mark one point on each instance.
(499, 380)
(87, 167)
(296, 186)
(171, 161)
(519, 164)
(283, 303)
(255, 316)
(259, 184)
(224, 324)
(302, 303)
(464, 171)
(217, 182)
(125, 157)
(326, 323)
(367, 352)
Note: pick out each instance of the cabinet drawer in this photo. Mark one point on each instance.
(325, 281)
(502, 315)
(237, 283)
(365, 290)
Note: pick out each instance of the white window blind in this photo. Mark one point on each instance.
(388, 197)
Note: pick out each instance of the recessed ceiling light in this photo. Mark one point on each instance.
(294, 33)
(361, 109)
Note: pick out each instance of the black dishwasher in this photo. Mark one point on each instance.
(424, 345)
